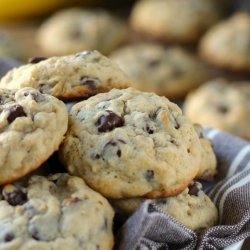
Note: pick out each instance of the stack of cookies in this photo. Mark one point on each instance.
(119, 143)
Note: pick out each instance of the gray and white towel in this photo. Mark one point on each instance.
(149, 228)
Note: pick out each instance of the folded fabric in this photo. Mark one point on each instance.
(149, 228)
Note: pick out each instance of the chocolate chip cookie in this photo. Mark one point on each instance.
(208, 164)
(192, 207)
(32, 125)
(127, 143)
(68, 77)
(58, 212)
(176, 21)
(73, 30)
(171, 72)
(221, 105)
(10, 47)
(228, 43)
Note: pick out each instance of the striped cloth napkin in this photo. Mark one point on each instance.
(149, 228)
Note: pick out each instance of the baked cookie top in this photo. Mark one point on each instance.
(192, 207)
(227, 44)
(127, 143)
(175, 21)
(73, 30)
(171, 72)
(221, 105)
(32, 125)
(55, 212)
(68, 77)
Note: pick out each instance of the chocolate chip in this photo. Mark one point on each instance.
(176, 126)
(194, 188)
(122, 141)
(222, 108)
(119, 153)
(97, 156)
(112, 143)
(35, 235)
(91, 82)
(174, 121)
(199, 130)
(15, 111)
(151, 208)
(109, 122)
(153, 63)
(15, 197)
(149, 174)
(9, 237)
(37, 59)
(149, 130)
(75, 33)
(105, 224)
(173, 142)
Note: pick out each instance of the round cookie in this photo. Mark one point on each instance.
(127, 143)
(208, 164)
(32, 126)
(57, 212)
(192, 207)
(73, 30)
(68, 77)
(228, 43)
(176, 21)
(10, 47)
(171, 72)
(221, 105)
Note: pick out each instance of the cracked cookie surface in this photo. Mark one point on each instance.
(128, 143)
(72, 30)
(192, 207)
(54, 212)
(171, 72)
(68, 77)
(230, 113)
(32, 126)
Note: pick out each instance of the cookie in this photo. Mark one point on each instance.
(58, 212)
(32, 126)
(127, 143)
(192, 207)
(208, 164)
(10, 47)
(68, 77)
(228, 43)
(181, 21)
(221, 105)
(73, 30)
(171, 72)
